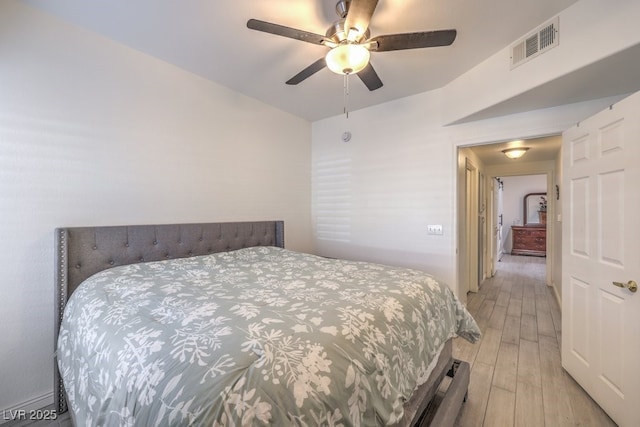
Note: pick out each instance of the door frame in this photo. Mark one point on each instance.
(472, 229)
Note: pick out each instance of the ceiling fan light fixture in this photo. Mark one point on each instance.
(347, 58)
(515, 153)
(350, 44)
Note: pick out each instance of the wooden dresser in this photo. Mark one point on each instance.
(529, 240)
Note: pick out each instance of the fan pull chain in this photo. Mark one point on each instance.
(346, 95)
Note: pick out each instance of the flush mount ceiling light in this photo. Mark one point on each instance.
(515, 153)
(347, 58)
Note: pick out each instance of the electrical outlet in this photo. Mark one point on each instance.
(434, 229)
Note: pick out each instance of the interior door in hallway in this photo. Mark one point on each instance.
(601, 235)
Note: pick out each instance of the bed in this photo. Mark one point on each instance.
(148, 314)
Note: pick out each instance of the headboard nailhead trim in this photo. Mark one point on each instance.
(61, 291)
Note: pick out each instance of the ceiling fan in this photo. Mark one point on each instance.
(349, 42)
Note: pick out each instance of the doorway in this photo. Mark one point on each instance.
(481, 250)
(521, 230)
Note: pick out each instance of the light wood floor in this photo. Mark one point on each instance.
(516, 375)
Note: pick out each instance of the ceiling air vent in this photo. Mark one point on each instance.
(542, 39)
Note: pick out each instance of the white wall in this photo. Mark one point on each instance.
(94, 133)
(374, 196)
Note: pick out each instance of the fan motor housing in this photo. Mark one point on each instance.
(336, 33)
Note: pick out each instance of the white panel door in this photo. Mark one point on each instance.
(601, 245)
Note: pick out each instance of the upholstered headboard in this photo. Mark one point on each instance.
(84, 251)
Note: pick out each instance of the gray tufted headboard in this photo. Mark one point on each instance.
(84, 251)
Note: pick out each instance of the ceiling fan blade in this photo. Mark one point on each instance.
(413, 40)
(358, 17)
(370, 78)
(281, 30)
(308, 72)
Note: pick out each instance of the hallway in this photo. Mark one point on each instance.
(516, 375)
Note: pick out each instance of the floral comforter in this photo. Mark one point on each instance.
(252, 337)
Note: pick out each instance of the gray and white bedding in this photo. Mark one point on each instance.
(250, 337)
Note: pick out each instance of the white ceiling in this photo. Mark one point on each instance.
(210, 39)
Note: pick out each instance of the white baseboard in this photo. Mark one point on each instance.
(11, 414)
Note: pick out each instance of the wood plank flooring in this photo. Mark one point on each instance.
(516, 374)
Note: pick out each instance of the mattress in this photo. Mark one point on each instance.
(255, 336)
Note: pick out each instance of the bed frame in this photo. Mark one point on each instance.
(84, 251)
